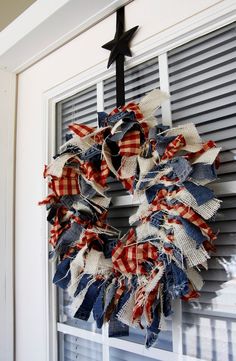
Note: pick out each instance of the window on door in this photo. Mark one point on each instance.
(202, 84)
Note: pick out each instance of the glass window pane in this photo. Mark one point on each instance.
(74, 348)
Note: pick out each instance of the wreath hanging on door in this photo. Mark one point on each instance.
(133, 277)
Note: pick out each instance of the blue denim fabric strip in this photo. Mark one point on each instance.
(167, 300)
(62, 276)
(85, 309)
(122, 130)
(98, 307)
(150, 175)
(162, 143)
(181, 168)
(112, 119)
(68, 237)
(82, 283)
(68, 136)
(153, 331)
(202, 171)
(86, 189)
(102, 116)
(124, 298)
(92, 154)
(152, 191)
(200, 193)
(109, 244)
(177, 281)
(157, 219)
(68, 200)
(193, 231)
(109, 295)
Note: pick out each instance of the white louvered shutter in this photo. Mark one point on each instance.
(202, 77)
(203, 90)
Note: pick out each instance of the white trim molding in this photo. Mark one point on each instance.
(7, 161)
(45, 26)
(39, 31)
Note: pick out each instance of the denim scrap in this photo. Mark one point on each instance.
(176, 280)
(82, 283)
(99, 305)
(68, 237)
(200, 193)
(181, 167)
(92, 154)
(124, 298)
(203, 171)
(62, 275)
(153, 330)
(102, 119)
(86, 189)
(150, 175)
(156, 219)
(123, 129)
(112, 119)
(153, 191)
(85, 309)
(109, 244)
(68, 201)
(162, 142)
(193, 231)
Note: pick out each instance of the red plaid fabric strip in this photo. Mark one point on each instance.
(81, 129)
(130, 143)
(191, 216)
(185, 212)
(139, 304)
(206, 146)
(93, 175)
(130, 107)
(67, 184)
(88, 237)
(129, 257)
(128, 183)
(173, 147)
(105, 171)
(51, 198)
(57, 228)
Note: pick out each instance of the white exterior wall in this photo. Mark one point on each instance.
(82, 53)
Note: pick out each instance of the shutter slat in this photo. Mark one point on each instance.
(203, 91)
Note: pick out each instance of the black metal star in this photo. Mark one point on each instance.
(120, 44)
(119, 47)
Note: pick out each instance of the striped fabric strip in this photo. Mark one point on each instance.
(130, 143)
(173, 147)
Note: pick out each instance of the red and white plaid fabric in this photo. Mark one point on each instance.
(92, 174)
(130, 256)
(128, 184)
(185, 212)
(105, 171)
(130, 143)
(67, 184)
(57, 228)
(51, 198)
(173, 147)
(81, 129)
(206, 146)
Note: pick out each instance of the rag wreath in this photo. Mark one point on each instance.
(134, 277)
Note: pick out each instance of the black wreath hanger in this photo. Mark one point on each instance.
(119, 48)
